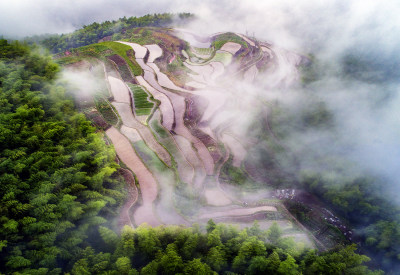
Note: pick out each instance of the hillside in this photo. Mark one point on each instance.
(169, 133)
(192, 162)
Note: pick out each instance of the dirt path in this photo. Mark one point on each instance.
(148, 185)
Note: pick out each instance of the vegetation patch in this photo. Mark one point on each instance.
(232, 174)
(122, 68)
(203, 51)
(144, 103)
(116, 29)
(122, 50)
(109, 50)
(158, 129)
(222, 39)
(106, 110)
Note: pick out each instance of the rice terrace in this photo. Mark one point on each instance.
(163, 144)
(166, 95)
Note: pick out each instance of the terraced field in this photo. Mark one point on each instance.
(178, 140)
(143, 103)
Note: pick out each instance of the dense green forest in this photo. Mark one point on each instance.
(58, 178)
(94, 32)
(366, 206)
(60, 191)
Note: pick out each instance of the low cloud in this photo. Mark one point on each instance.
(365, 107)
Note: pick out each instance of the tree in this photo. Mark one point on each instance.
(216, 258)
(123, 265)
(288, 266)
(171, 262)
(109, 237)
(274, 233)
(273, 262)
(196, 267)
(210, 226)
(258, 265)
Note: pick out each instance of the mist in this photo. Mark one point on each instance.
(363, 100)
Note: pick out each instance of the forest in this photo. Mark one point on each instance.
(61, 189)
(94, 32)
